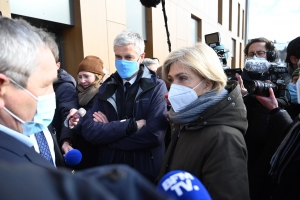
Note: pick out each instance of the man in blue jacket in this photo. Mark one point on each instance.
(128, 120)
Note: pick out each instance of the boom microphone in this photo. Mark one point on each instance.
(258, 66)
(150, 3)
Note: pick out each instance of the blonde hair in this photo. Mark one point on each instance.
(200, 58)
(98, 79)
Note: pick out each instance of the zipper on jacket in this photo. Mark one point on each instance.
(136, 100)
(174, 143)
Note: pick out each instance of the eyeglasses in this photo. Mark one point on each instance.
(257, 53)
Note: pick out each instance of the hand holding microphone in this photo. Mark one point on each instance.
(75, 115)
(73, 157)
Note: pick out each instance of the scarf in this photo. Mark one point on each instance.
(85, 95)
(192, 111)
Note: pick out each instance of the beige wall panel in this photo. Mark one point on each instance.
(206, 7)
(234, 17)
(172, 23)
(5, 8)
(94, 37)
(213, 10)
(181, 43)
(113, 29)
(208, 29)
(116, 11)
(225, 22)
(160, 46)
(183, 21)
(174, 1)
(200, 6)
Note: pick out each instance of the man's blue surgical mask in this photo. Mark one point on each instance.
(46, 105)
(126, 68)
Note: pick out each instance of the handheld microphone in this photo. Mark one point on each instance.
(182, 185)
(80, 113)
(73, 157)
(258, 66)
(150, 3)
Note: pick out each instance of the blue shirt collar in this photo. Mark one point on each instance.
(19, 136)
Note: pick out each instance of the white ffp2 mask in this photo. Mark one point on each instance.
(180, 96)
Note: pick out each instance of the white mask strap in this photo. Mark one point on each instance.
(198, 84)
(17, 118)
(23, 88)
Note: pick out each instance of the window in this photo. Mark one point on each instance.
(220, 11)
(239, 21)
(195, 30)
(136, 20)
(230, 15)
(243, 24)
(233, 54)
(241, 53)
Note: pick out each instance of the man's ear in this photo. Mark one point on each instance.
(58, 65)
(3, 83)
(142, 57)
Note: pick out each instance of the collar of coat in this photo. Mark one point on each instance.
(147, 79)
(230, 111)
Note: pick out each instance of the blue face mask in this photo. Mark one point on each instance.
(126, 68)
(44, 113)
(292, 94)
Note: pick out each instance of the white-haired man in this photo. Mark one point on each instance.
(27, 72)
(128, 119)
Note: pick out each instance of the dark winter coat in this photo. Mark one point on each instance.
(146, 146)
(213, 148)
(263, 185)
(66, 99)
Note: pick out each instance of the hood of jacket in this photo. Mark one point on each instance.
(230, 111)
(63, 77)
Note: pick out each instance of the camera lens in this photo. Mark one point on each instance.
(261, 88)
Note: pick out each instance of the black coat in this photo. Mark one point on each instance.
(145, 147)
(263, 185)
(66, 99)
(15, 152)
(102, 183)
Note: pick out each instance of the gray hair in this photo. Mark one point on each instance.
(20, 46)
(149, 61)
(130, 37)
(49, 40)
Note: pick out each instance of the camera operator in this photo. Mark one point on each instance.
(259, 52)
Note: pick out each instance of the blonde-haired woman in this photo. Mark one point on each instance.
(208, 120)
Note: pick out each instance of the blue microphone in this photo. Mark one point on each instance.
(182, 185)
(73, 157)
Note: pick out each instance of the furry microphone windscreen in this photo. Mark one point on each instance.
(182, 185)
(150, 3)
(73, 157)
